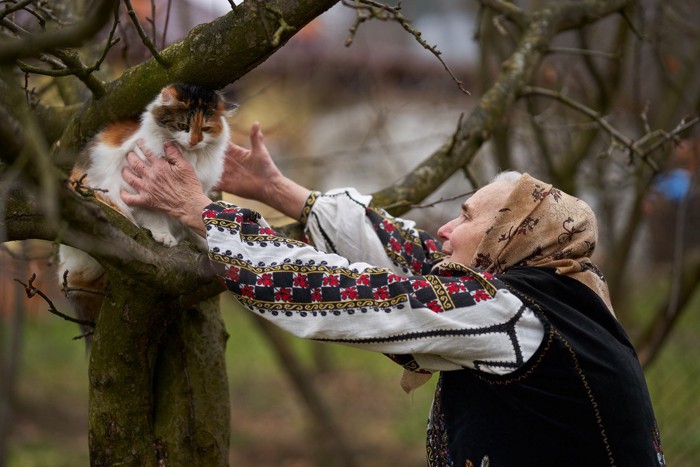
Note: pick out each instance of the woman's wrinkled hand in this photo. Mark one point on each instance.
(165, 183)
(251, 173)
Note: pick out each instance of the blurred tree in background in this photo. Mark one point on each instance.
(417, 103)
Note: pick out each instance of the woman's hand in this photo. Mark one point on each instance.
(168, 184)
(251, 173)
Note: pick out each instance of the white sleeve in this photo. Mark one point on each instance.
(463, 319)
(341, 221)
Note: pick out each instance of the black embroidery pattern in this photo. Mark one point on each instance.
(415, 254)
(437, 449)
(308, 205)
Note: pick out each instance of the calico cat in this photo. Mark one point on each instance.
(191, 116)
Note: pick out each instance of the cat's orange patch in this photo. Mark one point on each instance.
(118, 132)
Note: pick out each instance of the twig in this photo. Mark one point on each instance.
(84, 335)
(629, 144)
(9, 9)
(507, 9)
(673, 134)
(144, 37)
(404, 203)
(66, 289)
(31, 291)
(369, 9)
(68, 63)
(282, 26)
(167, 23)
(71, 36)
(85, 190)
(470, 176)
(586, 52)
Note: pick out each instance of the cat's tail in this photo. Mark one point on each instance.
(84, 282)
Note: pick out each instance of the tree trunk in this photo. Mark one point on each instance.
(158, 385)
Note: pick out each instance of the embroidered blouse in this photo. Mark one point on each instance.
(370, 282)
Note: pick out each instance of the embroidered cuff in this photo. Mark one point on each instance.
(308, 205)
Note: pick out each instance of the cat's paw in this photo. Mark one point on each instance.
(166, 238)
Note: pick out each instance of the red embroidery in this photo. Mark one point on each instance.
(331, 280)
(283, 294)
(232, 273)
(247, 291)
(455, 287)
(265, 280)
(301, 280)
(349, 294)
(316, 295)
(480, 295)
(434, 306)
(381, 293)
(419, 284)
(363, 280)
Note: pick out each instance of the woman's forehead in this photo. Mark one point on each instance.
(492, 196)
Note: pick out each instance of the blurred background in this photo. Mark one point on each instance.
(364, 115)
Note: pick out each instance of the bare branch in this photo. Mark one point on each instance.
(282, 26)
(586, 52)
(71, 36)
(66, 289)
(369, 9)
(31, 291)
(144, 37)
(85, 190)
(405, 203)
(167, 22)
(631, 145)
(509, 10)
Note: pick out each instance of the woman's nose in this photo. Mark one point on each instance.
(443, 232)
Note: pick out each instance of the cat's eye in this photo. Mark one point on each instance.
(206, 128)
(183, 127)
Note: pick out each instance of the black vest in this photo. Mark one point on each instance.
(581, 400)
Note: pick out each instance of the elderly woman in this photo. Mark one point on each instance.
(506, 305)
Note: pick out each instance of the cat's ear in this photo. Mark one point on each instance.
(168, 95)
(229, 108)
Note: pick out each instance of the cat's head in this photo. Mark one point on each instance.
(192, 116)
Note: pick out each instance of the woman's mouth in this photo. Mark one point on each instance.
(446, 248)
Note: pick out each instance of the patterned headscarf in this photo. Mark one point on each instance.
(544, 227)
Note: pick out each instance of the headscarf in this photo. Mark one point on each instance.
(542, 226)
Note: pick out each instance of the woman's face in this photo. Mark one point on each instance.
(461, 236)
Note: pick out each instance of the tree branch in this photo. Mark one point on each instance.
(368, 9)
(31, 291)
(72, 36)
(111, 239)
(144, 37)
(631, 145)
(509, 10)
(477, 127)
